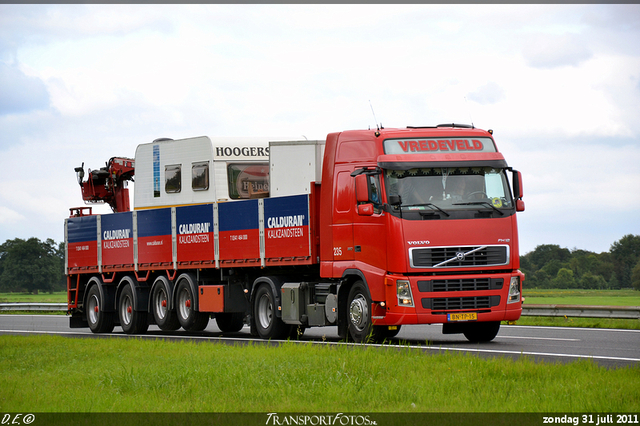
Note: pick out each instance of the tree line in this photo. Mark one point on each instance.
(550, 266)
(33, 265)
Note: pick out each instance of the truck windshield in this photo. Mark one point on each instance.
(450, 189)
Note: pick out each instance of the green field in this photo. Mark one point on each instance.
(582, 297)
(58, 374)
(55, 297)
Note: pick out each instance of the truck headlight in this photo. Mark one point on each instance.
(403, 290)
(514, 290)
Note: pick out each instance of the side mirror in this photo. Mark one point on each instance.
(365, 209)
(362, 188)
(518, 191)
(394, 200)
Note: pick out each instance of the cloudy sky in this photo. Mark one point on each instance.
(558, 84)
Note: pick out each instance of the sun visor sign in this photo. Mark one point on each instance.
(438, 146)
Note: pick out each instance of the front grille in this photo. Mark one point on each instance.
(458, 257)
(463, 284)
(460, 303)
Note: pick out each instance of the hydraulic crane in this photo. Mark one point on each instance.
(108, 184)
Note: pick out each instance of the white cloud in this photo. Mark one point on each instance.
(559, 84)
(490, 93)
(549, 51)
(9, 216)
(21, 93)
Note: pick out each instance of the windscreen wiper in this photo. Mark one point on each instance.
(433, 206)
(480, 203)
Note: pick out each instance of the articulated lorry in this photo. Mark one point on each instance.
(367, 230)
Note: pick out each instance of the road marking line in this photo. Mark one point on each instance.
(537, 338)
(620, 330)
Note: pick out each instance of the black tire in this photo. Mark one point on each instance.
(359, 313)
(164, 316)
(267, 324)
(189, 318)
(480, 332)
(99, 320)
(131, 321)
(230, 322)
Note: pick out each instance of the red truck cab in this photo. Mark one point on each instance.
(432, 236)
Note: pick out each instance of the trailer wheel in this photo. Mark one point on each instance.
(230, 322)
(482, 331)
(268, 325)
(164, 316)
(132, 321)
(359, 313)
(189, 318)
(99, 320)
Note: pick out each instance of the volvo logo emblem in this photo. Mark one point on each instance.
(459, 256)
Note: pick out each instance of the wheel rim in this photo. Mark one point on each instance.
(359, 312)
(265, 311)
(161, 304)
(94, 308)
(126, 310)
(184, 303)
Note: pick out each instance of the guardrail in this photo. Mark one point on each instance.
(33, 306)
(619, 312)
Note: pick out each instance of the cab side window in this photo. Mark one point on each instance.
(374, 193)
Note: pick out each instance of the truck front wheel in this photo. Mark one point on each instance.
(99, 320)
(359, 313)
(268, 325)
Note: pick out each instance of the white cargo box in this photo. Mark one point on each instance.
(201, 170)
(294, 166)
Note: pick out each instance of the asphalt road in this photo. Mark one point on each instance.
(610, 348)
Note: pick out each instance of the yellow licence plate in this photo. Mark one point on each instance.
(467, 316)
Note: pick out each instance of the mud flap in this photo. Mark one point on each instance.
(78, 320)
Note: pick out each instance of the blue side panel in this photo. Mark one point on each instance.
(238, 215)
(284, 212)
(81, 229)
(195, 233)
(116, 231)
(114, 226)
(194, 219)
(154, 222)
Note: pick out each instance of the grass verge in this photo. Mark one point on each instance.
(625, 297)
(57, 374)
